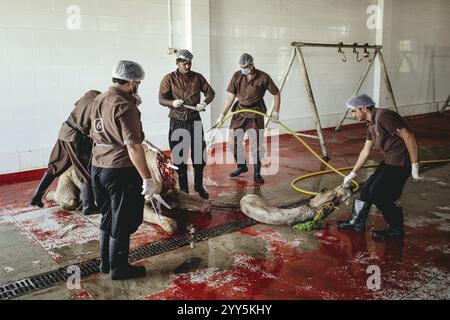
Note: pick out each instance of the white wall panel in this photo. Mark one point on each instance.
(45, 68)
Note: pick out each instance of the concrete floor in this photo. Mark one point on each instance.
(261, 262)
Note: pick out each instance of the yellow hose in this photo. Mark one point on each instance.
(309, 175)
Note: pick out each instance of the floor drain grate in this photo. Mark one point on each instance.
(49, 279)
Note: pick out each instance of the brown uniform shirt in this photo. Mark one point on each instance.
(116, 123)
(79, 119)
(187, 87)
(383, 131)
(251, 92)
(250, 95)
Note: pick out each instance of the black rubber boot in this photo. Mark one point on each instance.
(120, 269)
(104, 251)
(388, 234)
(87, 198)
(183, 179)
(198, 183)
(394, 230)
(46, 181)
(357, 221)
(242, 168)
(257, 175)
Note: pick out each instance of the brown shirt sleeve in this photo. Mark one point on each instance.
(271, 86)
(131, 126)
(369, 135)
(207, 90)
(165, 89)
(392, 122)
(232, 86)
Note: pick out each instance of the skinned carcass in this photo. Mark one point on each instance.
(67, 194)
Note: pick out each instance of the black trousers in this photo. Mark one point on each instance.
(256, 139)
(185, 136)
(385, 187)
(118, 195)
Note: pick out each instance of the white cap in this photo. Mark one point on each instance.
(185, 55)
(360, 101)
(128, 71)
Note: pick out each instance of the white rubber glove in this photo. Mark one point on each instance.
(201, 107)
(348, 179)
(220, 121)
(415, 171)
(275, 117)
(148, 189)
(177, 103)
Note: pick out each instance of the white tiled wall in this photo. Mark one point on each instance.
(266, 28)
(44, 67)
(417, 51)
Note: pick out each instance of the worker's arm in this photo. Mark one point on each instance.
(207, 90)
(362, 159)
(166, 96)
(277, 100)
(165, 102)
(363, 156)
(411, 144)
(228, 103)
(137, 156)
(169, 103)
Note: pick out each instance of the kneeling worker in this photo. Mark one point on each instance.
(74, 147)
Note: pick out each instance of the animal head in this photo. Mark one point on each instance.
(325, 202)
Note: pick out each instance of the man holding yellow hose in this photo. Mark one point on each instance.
(249, 85)
(392, 135)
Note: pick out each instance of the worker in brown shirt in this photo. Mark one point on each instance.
(249, 85)
(120, 176)
(181, 92)
(73, 147)
(392, 135)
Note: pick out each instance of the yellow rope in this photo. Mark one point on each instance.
(309, 175)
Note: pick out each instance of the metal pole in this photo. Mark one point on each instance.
(307, 135)
(445, 104)
(170, 24)
(387, 81)
(312, 101)
(358, 87)
(332, 45)
(283, 80)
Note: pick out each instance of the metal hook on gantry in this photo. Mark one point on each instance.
(377, 53)
(297, 52)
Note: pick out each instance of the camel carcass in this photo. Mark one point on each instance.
(67, 194)
(323, 204)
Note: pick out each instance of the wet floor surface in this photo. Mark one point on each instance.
(260, 262)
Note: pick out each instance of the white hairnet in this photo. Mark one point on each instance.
(185, 55)
(359, 101)
(246, 59)
(128, 70)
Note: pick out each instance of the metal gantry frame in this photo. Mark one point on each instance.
(297, 52)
